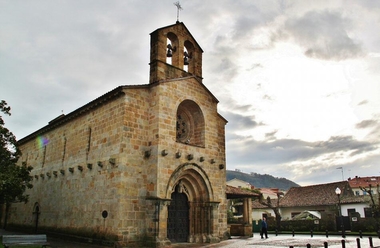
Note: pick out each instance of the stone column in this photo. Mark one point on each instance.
(162, 234)
(247, 216)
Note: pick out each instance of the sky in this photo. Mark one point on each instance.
(298, 81)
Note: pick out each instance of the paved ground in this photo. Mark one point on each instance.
(281, 241)
(285, 241)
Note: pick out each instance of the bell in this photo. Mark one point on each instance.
(186, 61)
(169, 53)
(186, 58)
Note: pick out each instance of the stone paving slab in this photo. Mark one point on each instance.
(285, 241)
(281, 241)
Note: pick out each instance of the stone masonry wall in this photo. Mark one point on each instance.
(74, 201)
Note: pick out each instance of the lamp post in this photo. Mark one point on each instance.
(338, 192)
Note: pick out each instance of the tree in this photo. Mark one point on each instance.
(14, 179)
(375, 207)
(274, 207)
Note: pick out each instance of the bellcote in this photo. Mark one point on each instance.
(174, 53)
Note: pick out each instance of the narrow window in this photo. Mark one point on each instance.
(64, 149)
(88, 143)
(44, 156)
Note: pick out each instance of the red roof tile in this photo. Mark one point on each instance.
(364, 182)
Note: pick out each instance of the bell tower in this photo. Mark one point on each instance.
(174, 53)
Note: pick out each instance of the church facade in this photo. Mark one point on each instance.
(141, 162)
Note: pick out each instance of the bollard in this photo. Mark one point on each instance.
(325, 245)
(358, 243)
(327, 233)
(360, 234)
(276, 232)
(370, 242)
(343, 243)
(308, 246)
(293, 232)
(291, 246)
(311, 233)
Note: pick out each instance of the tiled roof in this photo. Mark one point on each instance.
(270, 192)
(357, 182)
(233, 192)
(318, 195)
(257, 204)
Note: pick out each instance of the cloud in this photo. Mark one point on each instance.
(267, 152)
(59, 56)
(238, 122)
(324, 35)
(367, 123)
(271, 135)
(364, 102)
(345, 143)
(302, 161)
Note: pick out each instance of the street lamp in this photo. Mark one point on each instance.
(338, 192)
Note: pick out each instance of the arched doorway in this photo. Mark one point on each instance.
(36, 213)
(190, 211)
(178, 217)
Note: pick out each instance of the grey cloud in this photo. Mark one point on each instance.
(367, 123)
(324, 35)
(244, 26)
(239, 122)
(228, 68)
(363, 102)
(267, 97)
(363, 166)
(268, 152)
(282, 151)
(345, 143)
(371, 4)
(271, 135)
(255, 66)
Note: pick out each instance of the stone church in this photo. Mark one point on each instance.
(139, 163)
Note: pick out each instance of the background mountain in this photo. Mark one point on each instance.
(262, 181)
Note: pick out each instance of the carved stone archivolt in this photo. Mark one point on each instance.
(191, 180)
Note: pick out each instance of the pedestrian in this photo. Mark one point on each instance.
(264, 228)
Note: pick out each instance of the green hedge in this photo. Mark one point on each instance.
(361, 224)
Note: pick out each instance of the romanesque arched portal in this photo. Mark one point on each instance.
(192, 204)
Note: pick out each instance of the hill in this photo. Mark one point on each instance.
(262, 181)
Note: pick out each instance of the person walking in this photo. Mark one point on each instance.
(264, 228)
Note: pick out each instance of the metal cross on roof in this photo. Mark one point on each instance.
(178, 9)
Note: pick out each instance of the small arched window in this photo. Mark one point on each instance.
(171, 49)
(188, 62)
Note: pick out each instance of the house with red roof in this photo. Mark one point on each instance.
(358, 183)
(320, 199)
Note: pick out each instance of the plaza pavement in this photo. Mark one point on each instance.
(280, 241)
(285, 241)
